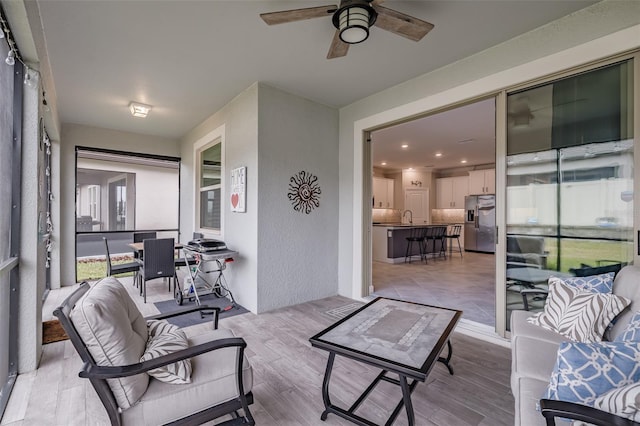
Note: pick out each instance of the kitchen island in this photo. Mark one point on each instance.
(389, 241)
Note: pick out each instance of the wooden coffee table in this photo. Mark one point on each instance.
(401, 338)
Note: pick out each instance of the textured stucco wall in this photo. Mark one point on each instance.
(297, 252)
(78, 135)
(240, 120)
(582, 35)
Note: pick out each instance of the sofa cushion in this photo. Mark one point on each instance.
(521, 327)
(626, 285)
(602, 283)
(528, 401)
(623, 401)
(584, 371)
(631, 333)
(213, 381)
(164, 339)
(579, 316)
(115, 333)
(539, 366)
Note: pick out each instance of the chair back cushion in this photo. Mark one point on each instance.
(115, 333)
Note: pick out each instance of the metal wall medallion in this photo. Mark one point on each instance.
(304, 192)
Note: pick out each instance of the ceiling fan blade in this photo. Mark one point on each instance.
(376, 2)
(402, 24)
(338, 47)
(284, 16)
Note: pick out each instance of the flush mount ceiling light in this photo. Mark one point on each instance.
(139, 110)
(438, 154)
(404, 146)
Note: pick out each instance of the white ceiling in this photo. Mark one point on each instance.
(190, 58)
(464, 133)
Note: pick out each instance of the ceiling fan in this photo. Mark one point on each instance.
(352, 19)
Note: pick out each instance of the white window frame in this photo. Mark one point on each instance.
(214, 137)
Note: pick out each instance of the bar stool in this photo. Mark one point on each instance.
(436, 233)
(416, 236)
(455, 233)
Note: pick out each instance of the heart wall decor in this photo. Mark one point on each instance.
(238, 190)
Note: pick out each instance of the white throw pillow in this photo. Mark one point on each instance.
(165, 338)
(578, 315)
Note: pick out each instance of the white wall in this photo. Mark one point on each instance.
(145, 190)
(239, 121)
(285, 257)
(297, 252)
(78, 135)
(605, 29)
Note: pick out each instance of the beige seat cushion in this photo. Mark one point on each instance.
(115, 333)
(213, 381)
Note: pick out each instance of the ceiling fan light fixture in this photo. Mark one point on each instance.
(354, 25)
(353, 22)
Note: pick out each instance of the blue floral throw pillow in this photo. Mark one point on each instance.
(632, 332)
(602, 283)
(586, 371)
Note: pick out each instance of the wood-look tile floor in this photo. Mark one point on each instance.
(466, 283)
(288, 375)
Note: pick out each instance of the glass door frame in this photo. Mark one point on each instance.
(501, 169)
(360, 275)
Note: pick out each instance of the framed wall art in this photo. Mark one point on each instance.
(238, 196)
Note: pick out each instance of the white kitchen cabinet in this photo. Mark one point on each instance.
(450, 192)
(482, 182)
(382, 193)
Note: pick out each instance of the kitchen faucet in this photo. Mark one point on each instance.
(410, 215)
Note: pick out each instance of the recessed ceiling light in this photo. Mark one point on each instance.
(404, 145)
(384, 163)
(410, 169)
(463, 161)
(438, 154)
(139, 110)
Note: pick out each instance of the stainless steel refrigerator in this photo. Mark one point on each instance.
(480, 223)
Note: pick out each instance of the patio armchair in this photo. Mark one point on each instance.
(113, 340)
(527, 249)
(120, 268)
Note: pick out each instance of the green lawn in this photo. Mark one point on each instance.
(576, 252)
(92, 269)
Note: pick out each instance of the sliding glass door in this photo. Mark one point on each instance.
(569, 180)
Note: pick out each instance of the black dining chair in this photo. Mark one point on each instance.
(158, 262)
(139, 237)
(120, 268)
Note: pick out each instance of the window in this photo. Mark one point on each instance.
(210, 183)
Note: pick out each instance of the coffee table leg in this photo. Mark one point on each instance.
(325, 386)
(406, 397)
(446, 360)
